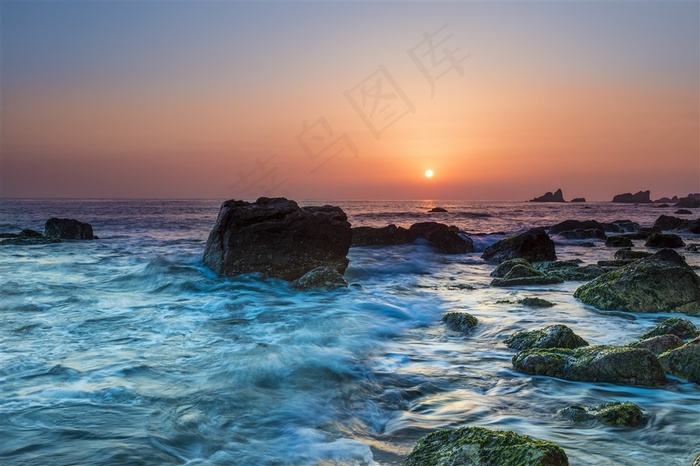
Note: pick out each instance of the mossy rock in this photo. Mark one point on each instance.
(659, 344)
(552, 336)
(617, 414)
(683, 362)
(459, 321)
(320, 278)
(612, 364)
(536, 302)
(627, 254)
(505, 267)
(569, 270)
(678, 326)
(660, 283)
(522, 275)
(476, 446)
(533, 245)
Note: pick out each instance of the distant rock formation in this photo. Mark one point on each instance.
(557, 196)
(438, 209)
(277, 238)
(642, 197)
(667, 199)
(578, 199)
(67, 228)
(690, 201)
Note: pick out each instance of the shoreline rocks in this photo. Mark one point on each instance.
(534, 245)
(684, 361)
(277, 238)
(459, 321)
(477, 446)
(67, 228)
(449, 240)
(616, 414)
(552, 336)
(659, 283)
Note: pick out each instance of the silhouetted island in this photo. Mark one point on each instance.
(641, 197)
(557, 196)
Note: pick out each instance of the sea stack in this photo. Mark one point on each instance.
(557, 196)
(641, 197)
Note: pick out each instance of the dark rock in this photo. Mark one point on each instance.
(534, 245)
(27, 233)
(553, 336)
(521, 275)
(683, 362)
(615, 263)
(664, 240)
(583, 234)
(536, 302)
(659, 344)
(446, 239)
(29, 241)
(570, 225)
(662, 205)
(643, 233)
(437, 209)
(387, 236)
(621, 226)
(578, 199)
(659, 283)
(619, 242)
(667, 222)
(627, 254)
(667, 199)
(612, 364)
(557, 196)
(277, 238)
(641, 197)
(504, 267)
(691, 201)
(683, 212)
(569, 270)
(476, 446)
(617, 414)
(459, 321)
(678, 326)
(320, 278)
(67, 228)
(693, 248)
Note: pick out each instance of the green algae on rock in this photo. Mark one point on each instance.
(659, 344)
(553, 336)
(618, 414)
(477, 446)
(678, 326)
(536, 302)
(521, 274)
(683, 362)
(660, 283)
(613, 364)
(459, 321)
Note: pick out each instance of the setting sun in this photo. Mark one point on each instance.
(428, 173)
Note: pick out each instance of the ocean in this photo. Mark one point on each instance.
(128, 351)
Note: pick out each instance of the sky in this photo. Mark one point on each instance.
(501, 100)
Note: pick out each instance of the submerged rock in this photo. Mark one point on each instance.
(536, 302)
(277, 238)
(505, 267)
(659, 344)
(570, 270)
(476, 446)
(534, 245)
(67, 228)
(659, 283)
(320, 278)
(664, 240)
(642, 233)
(612, 364)
(438, 209)
(459, 321)
(678, 326)
(683, 212)
(571, 225)
(387, 236)
(447, 239)
(683, 362)
(628, 254)
(621, 226)
(641, 197)
(617, 414)
(521, 274)
(619, 242)
(557, 196)
(552, 336)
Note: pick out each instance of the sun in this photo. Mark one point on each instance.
(429, 173)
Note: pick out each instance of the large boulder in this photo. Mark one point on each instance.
(476, 446)
(553, 336)
(611, 364)
(557, 196)
(659, 283)
(534, 245)
(664, 240)
(641, 197)
(446, 239)
(387, 236)
(67, 228)
(619, 242)
(277, 238)
(459, 321)
(668, 222)
(683, 362)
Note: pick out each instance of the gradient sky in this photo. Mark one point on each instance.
(161, 99)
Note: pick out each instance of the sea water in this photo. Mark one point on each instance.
(126, 350)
